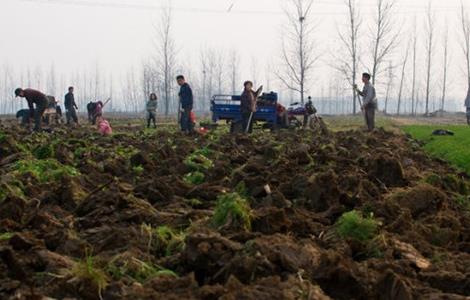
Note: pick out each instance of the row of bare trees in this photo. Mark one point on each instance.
(369, 41)
(379, 48)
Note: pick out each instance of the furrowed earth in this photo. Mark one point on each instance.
(285, 215)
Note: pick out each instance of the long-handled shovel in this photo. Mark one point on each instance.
(247, 129)
(257, 93)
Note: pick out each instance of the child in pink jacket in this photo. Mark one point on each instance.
(104, 127)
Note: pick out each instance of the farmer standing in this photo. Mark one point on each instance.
(70, 107)
(309, 111)
(186, 101)
(248, 106)
(369, 103)
(152, 106)
(37, 98)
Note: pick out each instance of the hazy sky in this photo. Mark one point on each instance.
(75, 34)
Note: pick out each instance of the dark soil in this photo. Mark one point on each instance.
(298, 184)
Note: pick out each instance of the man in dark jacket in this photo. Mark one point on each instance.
(91, 110)
(309, 111)
(186, 101)
(34, 97)
(70, 107)
(248, 106)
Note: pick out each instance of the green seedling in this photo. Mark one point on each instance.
(6, 236)
(193, 202)
(86, 270)
(44, 151)
(168, 240)
(194, 178)
(241, 189)
(125, 152)
(12, 188)
(463, 202)
(232, 210)
(138, 170)
(45, 170)
(433, 179)
(199, 160)
(79, 152)
(137, 270)
(353, 225)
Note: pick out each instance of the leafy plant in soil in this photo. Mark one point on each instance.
(354, 226)
(232, 210)
(199, 160)
(241, 189)
(194, 178)
(44, 151)
(45, 170)
(14, 188)
(463, 202)
(138, 170)
(78, 153)
(137, 270)
(125, 152)
(6, 236)
(3, 137)
(168, 241)
(193, 202)
(87, 271)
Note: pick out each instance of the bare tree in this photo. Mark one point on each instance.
(234, 66)
(347, 65)
(37, 77)
(208, 66)
(429, 52)
(267, 75)
(298, 47)
(385, 36)
(402, 80)
(465, 43)
(51, 81)
(413, 84)
(131, 92)
(254, 70)
(166, 54)
(389, 85)
(220, 70)
(111, 93)
(97, 82)
(446, 66)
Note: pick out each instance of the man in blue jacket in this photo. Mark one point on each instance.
(186, 101)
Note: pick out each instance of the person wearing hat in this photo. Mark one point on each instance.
(37, 98)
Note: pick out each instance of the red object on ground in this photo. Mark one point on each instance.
(203, 130)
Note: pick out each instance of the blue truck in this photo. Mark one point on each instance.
(227, 108)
